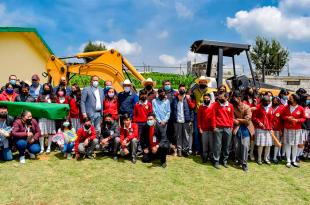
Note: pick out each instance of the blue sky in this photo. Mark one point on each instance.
(160, 32)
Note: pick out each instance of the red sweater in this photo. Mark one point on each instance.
(82, 136)
(140, 111)
(261, 116)
(205, 118)
(5, 97)
(130, 133)
(298, 113)
(67, 100)
(111, 106)
(277, 122)
(74, 109)
(223, 116)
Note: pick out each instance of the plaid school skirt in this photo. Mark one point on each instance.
(293, 137)
(263, 137)
(47, 126)
(76, 123)
(277, 134)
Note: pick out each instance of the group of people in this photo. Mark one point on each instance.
(217, 125)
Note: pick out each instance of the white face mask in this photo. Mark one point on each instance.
(127, 89)
(111, 95)
(95, 83)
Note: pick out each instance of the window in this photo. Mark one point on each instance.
(295, 82)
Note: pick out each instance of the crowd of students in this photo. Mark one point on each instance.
(218, 126)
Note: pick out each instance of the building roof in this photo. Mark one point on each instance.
(212, 47)
(30, 33)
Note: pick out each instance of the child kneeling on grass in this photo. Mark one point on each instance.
(65, 139)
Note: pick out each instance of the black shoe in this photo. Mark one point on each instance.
(185, 154)
(134, 160)
(216, 165)
(179, 153)
(245, 168)
(164, 165)
(225, 164)
(91, 157)
(295, 164)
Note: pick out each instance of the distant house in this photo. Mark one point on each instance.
(23, 52)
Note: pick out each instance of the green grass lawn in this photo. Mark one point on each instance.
(55, 180)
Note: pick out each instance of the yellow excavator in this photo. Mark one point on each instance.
(107, 65)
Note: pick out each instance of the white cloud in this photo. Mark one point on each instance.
(22, 18)
(299, 7)
(123, 46)
(183, 11)
(299, 63)
(168, 60)
(163, 34)
(272, 22)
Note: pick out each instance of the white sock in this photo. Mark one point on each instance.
(275, 152)
(283, 150)
(41, 141)
(252, 144)
(267, 152)
(259, 153)
(288, 152)
(49, 143)
(294, 153)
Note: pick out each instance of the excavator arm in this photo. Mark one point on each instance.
(107, 65)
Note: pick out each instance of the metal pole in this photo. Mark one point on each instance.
(234, 66)
(220, 68)
(209, 65)
(251, 68)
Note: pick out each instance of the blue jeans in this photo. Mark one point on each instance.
(68, 147)
(22, 145)
(6, 154)
(96, 119)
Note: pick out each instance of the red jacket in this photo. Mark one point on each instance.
(19, 129)
(111, 106)
(130, 133)
(205, 118)
(67, 100)
(74, 109)
(5, 97)
(277, 122)
(223, 116)
(141, 111)
(261, 116)
(298, 113)
(82, 136)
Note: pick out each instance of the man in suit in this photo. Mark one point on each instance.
(92, 102)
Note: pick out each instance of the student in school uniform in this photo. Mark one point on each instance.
(277, 126)
(223, 118)
(75, 103)
(110, 103)
(293, 116)
(262, 119)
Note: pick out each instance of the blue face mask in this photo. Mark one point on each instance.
(9, 91)
(35, 84)
(13, 82)
(308, 102)
(285, 97)
(150, 122)
(107, 87)
(167, 87)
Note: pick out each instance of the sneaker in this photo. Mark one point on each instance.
(245, 168)
(225, 165)
(259, 162)
(115, 158)
(32, 156)
(190, 152)
(216, 165)
(42, 150)
(91, 157)
(179, 153)
(69, 156)
(288, 165)
(48, 150)
(164, 165)
(295, 164)
(134, 160)
(252, 158)
(22, 160)
(267, 162)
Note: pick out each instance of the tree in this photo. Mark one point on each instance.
(93, 46)
(269, 56)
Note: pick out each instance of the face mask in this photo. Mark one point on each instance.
(181, 92)
(9, 91)
(35, 84)
(66, 124)
(206, 102)
(161, 97)
(61, 93)
(25, 93)
(95, 84)
(28, 121)
(234, 101)
(46, 92)
(265, 104)
(202, 86)
(3, 115)
(127, 89)
(108, 122)
(289, 102)
(111, 95)
(86, 127)
(285, 97)
(167, 87)
(308, 102)
(143, 99)
(107, 87)
(13, 82)
(222, 101)
(275, 104)
(270, 97)
(148, 87)
(150, 122)
(62, 83)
